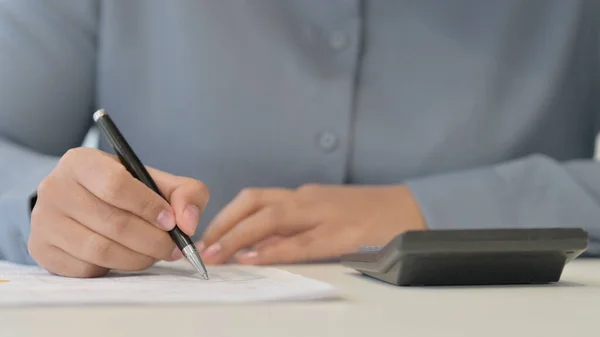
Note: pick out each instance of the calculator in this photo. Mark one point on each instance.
(471, 256)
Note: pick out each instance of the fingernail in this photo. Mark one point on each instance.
(176, 254)
(200, 246)
(213, 250)
(192, 212)
(251, 255)
(166, 220)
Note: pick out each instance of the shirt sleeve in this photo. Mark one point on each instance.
(531, 192)
(47, 69)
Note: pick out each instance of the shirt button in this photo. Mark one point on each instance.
(338, 40)
(328, 141)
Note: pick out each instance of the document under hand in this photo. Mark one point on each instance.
(162, 283)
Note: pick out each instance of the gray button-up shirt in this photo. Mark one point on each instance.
(486, 109)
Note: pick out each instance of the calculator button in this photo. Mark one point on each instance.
(370, 248)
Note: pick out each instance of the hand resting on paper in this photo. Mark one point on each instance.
(311, 223)
(91, 216)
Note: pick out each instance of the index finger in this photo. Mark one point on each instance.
(105, 177)
(246, 203)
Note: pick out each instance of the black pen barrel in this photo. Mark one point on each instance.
(133, 164)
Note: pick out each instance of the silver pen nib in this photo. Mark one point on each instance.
(193, 256)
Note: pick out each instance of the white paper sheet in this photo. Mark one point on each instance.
(162, 283)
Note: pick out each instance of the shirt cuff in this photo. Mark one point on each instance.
(463, 200)
(15, 207)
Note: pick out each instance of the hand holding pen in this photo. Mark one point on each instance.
(92, 215)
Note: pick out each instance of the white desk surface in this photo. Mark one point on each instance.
(366, 308)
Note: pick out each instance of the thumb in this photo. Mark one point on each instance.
(187, 196)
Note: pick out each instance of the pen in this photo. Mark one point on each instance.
(138, 170)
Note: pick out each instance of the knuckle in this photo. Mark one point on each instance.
(273, 214)
(225, 244)
(97, 248)
(118, 220)
(71, 155)
(232, 242)
(47, 186)
(74, 156)
(114, 183)
(147, 206)
(230, 245)
(250, 195)
(202, 188)
(228, 242)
